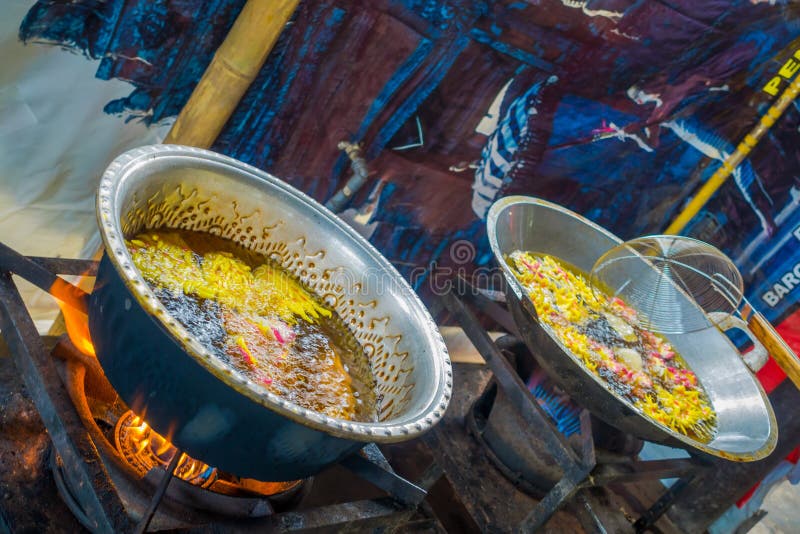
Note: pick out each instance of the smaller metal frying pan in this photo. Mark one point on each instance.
(746, 426)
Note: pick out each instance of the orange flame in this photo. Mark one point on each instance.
(145, 440)
(142, 437)
(76, 321)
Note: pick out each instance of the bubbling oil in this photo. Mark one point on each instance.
(258, 320)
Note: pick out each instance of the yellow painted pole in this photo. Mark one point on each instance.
(235, 65)
(761, 328)
(731, 162)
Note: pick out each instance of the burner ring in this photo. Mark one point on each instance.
(144, 449)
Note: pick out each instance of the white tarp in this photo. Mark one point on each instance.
(55, 142)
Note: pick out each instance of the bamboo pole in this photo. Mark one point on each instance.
(235, 65)
(731, 162)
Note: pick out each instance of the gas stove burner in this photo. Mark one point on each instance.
(494, 422)
(110, 468)
(145, 449)
(561, 409)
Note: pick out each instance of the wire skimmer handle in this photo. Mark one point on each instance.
(777, 347)
(754, 359)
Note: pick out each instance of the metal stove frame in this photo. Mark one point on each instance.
(82, 465)
(583, 470)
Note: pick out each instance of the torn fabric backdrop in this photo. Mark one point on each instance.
(619, 109)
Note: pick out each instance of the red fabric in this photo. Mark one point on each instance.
(771, 376)
(741, 502)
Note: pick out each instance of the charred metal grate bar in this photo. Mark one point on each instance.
(369, 468)
(166, 478)
(82, 463)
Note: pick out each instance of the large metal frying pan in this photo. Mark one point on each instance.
(746, 429)
(169, 377)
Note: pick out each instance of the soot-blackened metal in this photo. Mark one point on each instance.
(80, 463)
(580, 470)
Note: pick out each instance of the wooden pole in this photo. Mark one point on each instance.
(776, 346)
(230, 73)
(731, 162)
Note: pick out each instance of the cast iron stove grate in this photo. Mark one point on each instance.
(83, 475)
(583, 468)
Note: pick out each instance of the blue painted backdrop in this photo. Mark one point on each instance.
(619, 109)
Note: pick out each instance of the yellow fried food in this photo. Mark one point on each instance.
(257, 319)
(167, 261)
(604, 333)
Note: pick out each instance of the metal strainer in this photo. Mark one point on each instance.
(680, 285)
(677, 284)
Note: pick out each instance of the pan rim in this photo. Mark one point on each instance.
(406, 427)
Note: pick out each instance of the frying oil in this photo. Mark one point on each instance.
(258, 320)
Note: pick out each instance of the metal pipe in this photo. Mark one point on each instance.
(230, 73)
(67, 266)
(159, 494)
(732, 161)
(359, 178)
